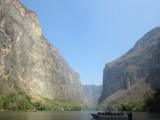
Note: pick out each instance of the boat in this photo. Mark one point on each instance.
(111, 116)
(34, 110)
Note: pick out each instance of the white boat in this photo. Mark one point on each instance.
(112, 116)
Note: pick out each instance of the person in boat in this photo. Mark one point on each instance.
(123, 108)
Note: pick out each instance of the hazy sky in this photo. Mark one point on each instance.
(91, 33)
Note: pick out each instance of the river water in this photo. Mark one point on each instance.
(67, 115)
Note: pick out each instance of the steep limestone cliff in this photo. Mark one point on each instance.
(134, 73)
(28, 62)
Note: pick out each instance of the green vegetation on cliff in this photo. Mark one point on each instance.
(21, 102)
(15, 101)
(133, 105)
(150, 103)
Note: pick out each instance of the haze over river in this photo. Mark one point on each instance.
(67, 115)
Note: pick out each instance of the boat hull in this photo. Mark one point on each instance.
(107, 117)
(95, 116)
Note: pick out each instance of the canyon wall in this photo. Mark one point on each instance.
(134, 73)
(92, 94)
(28, 62)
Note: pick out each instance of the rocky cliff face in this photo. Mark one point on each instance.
(92, 93)
(134, 73)
(28, 62)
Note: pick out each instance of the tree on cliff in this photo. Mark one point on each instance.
(152, 103)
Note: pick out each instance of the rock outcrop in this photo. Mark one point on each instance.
(28, 62)
(134, 73)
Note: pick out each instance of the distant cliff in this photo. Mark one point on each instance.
(134, 73)
(28, 62)
(92, 93)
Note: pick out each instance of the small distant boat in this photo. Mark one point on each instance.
(34, 110)
(111, 116)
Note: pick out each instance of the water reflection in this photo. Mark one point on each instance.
(81, 115)
(145, 116)
(45, 115)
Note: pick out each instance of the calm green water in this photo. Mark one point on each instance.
(81, 115)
